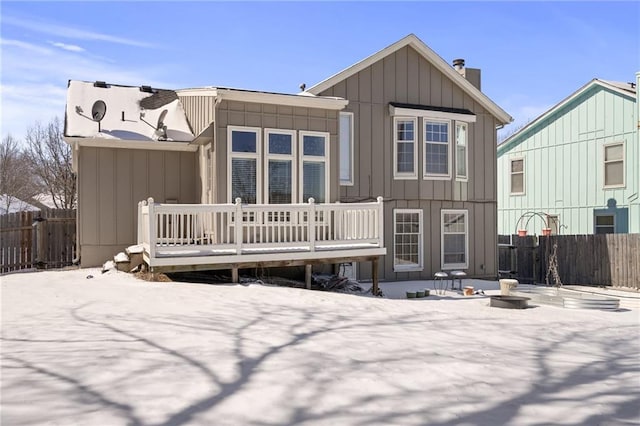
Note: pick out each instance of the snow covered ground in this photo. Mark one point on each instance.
(114, 350)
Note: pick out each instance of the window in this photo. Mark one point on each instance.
(605, 224)
(404, 148)
(517, 176)
(346, 148)
(314, 166)
(614, 165)
(280, 171)
(244, 165)
(461, 151)
(455, 239)
(407, 240)
(437, 160)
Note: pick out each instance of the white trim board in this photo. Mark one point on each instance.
(428, 113)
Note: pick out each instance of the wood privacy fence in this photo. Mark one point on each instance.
(43, 239)
(610, 260)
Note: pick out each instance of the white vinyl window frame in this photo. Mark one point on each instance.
(313, 159)
(465, 145)
(282, 157)
(430, 175)
(512, 173)
(408, 267)
(346, 180)
(606, 162)
(244, 155)
(443, 234)
(405, 175)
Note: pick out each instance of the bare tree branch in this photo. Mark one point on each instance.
(51, 160)
(17, 181)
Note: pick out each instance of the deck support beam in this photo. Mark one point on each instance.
(374, 276)
(307, 275)
(234, 276)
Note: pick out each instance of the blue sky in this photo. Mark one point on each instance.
(532, 55)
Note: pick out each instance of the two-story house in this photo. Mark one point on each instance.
(576, 168)
(392, 158)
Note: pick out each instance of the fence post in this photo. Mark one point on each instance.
(380, 219)
(41, 245)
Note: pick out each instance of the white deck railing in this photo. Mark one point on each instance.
(235, 229)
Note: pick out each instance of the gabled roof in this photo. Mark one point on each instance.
(624, 89)
(433, 58)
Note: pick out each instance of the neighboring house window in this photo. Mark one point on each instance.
(614, 165)
(314, 147)
(280, 173)
(407, 240)
(605, 224)
(436, 150)
(404, 148)
(244, 164)
(346, 148)
(517, 176)
(455, 239)
(461, 151)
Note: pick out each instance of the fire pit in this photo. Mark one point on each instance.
(509, 302)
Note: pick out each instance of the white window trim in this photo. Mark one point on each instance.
(349, 182)
(436, 176)
(291, 157)
(231, 155)
(462, 178)
(605, 162)
(420, 265)
(448, 266)
(396, 173)
(314, 159)
(524, 170)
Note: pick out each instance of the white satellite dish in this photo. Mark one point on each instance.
(160, 124)
(98, 110)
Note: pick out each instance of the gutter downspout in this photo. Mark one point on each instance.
(74, 166)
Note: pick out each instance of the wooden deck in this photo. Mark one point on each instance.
(189, 237)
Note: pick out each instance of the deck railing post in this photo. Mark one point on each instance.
(153, 229)
(311, 224)
(140, 222)
(238, 221)
(380, 219)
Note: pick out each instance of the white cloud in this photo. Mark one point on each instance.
(26, 46)
(69, 32)
(69, 47)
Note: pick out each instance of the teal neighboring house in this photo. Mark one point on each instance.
(576, 168)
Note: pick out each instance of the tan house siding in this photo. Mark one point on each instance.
(234, 113)
(112, 181)
(406, 77)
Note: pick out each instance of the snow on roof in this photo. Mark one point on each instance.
(15, 205)
(131, 113)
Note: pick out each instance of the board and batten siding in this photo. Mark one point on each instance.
(112, 181)
(406, 77)
(564, 165)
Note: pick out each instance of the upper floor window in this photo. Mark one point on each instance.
(404, 148)
(517, 176)
(437, 164)
(614, 165)
(280, 173)
(244, 164)
(346, 148)
(314, 166)
(461, 151)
